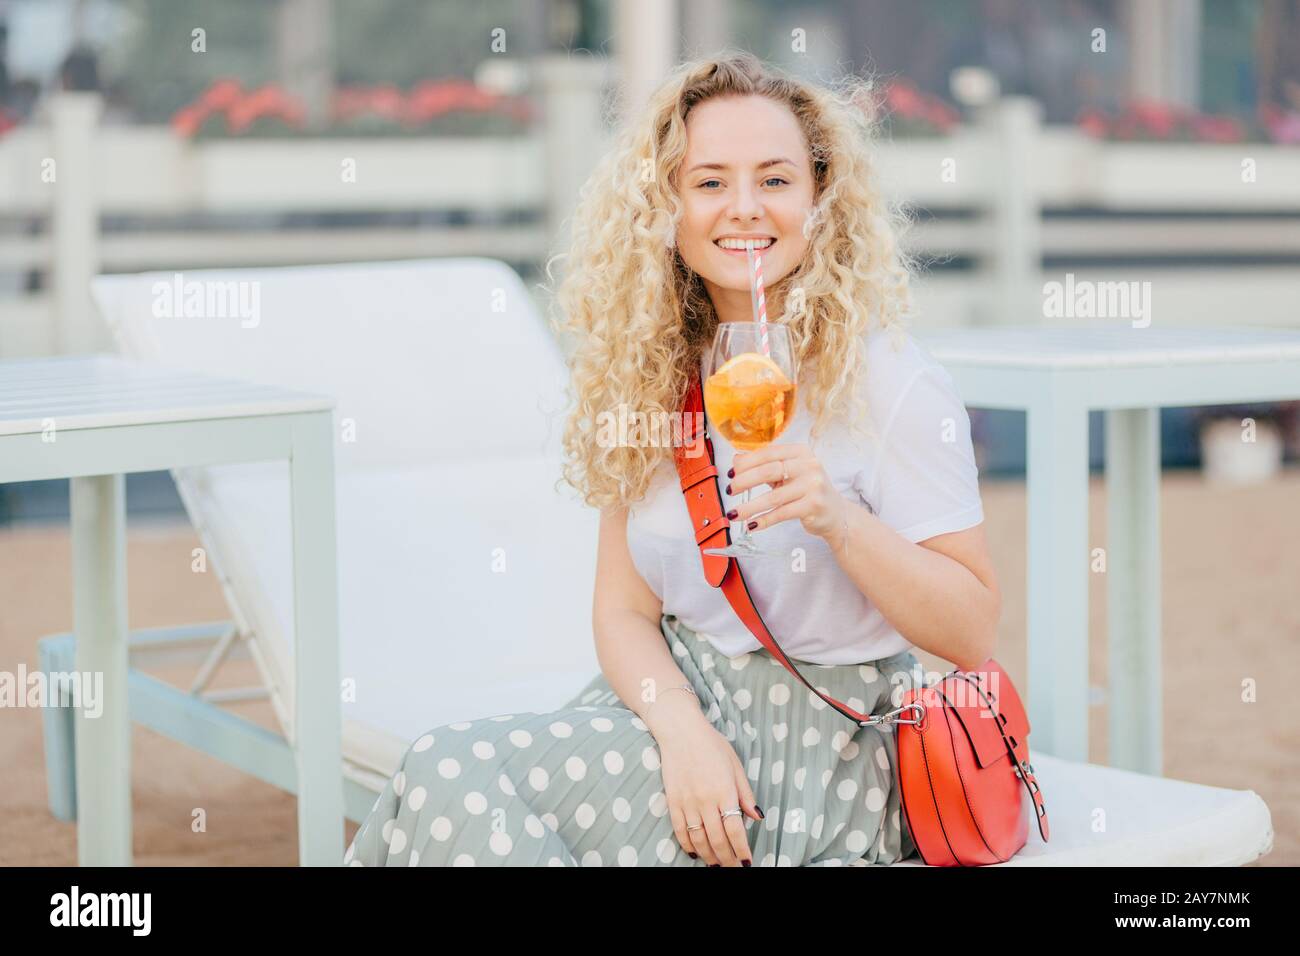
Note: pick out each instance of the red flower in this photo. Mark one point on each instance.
(221, 95)
(1283, 126)
(188, 119)
(268, 101)
(940, 113)
(1145, 120)
(903, 98)
(425, 101)
(1158, 118)
(1093, 122)
(433, 98)
(1218, 129)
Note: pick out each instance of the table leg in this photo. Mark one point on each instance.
(1133, 583)
(317, 708)
(102, 728)
(1058, 575)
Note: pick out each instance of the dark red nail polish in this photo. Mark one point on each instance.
(745, 863)
(731, 473)
(715, 864)
(753, 525)
(731, 515)
(694, 856)
(728, 489)
(760, 811)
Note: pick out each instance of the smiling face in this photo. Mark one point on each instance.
(746, 174)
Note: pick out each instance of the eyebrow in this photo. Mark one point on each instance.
(763, 165)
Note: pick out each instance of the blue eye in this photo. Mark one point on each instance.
(771, 179)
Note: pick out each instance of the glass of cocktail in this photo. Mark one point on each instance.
(749, 394)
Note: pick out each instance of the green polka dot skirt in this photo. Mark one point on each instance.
(581, 786)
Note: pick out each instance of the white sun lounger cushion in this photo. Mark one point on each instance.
(465, 576)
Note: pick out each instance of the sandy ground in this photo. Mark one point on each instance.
(1230, 606)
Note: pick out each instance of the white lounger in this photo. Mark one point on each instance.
(465, 577)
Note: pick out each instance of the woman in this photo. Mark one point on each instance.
(694, 745)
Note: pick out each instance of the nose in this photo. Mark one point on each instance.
(746, 203)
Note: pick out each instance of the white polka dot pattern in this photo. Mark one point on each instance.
(584, 785)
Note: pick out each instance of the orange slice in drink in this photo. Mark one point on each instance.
(751, 368)
(747, 396)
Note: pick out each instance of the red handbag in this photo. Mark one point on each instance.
(963, 754)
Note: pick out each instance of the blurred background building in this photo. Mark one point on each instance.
(1115, 140)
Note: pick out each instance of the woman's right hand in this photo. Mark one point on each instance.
(702, 777)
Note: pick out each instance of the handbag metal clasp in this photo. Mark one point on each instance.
(891, 717)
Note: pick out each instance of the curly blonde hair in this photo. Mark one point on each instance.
(640, 319)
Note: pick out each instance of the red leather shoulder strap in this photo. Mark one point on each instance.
(694, 457)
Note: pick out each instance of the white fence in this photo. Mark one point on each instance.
(990, 185)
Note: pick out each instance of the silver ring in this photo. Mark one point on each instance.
(698, 826)
(733, 812)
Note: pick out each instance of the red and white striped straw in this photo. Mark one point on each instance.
(762, 303)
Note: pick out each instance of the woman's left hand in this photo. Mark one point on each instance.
(806, 492)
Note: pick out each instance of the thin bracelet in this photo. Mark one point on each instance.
(667, 689)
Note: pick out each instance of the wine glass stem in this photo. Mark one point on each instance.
(740, 533)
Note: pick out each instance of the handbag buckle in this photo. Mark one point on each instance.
(891, 717)
(1029, 769)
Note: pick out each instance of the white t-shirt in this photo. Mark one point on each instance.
(917, 475)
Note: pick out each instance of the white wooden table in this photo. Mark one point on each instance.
(1057, 373)
(95, 418)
